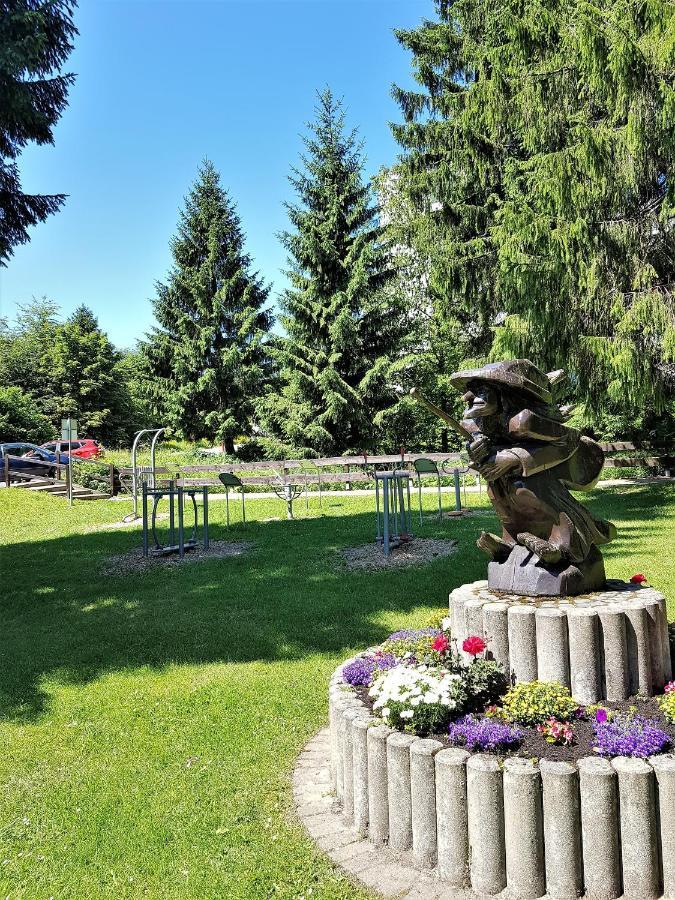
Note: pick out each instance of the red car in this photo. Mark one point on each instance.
(84, 448)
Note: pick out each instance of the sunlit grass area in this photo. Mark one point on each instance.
(149, 723)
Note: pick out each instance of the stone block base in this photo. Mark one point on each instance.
(524, 573)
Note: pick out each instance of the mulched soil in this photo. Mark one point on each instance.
(134, 563)
(418, 551)
(534, 745)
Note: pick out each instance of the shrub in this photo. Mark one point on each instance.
(421, 698)
(362, 669)
(532, 703)
(21, 418)
(484, 734)
(628, 735)
(667, 705)
(485, 682)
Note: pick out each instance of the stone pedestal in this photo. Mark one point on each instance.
(523, 573)
(604, 645)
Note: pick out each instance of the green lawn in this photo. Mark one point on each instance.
(149, 724)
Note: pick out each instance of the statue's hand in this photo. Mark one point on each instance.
(497, 465)
(479, 449)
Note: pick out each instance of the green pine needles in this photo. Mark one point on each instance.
(540, 155)
(340, 328)
(207, 357)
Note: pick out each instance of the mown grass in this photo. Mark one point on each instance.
(149, 723)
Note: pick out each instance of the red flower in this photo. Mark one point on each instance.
(441, 643)
(638, 579)
(474, 645)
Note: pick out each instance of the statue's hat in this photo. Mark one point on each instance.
(519, 374)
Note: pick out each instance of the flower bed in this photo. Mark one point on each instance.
(504, 787)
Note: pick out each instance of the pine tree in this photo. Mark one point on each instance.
(540, 155)
(83, 368)
(207, 357)
(335, 359)
(35, 41)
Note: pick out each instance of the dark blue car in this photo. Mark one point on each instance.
(30, 455)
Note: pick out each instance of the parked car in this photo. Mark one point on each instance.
(23, 456)
(84, 448)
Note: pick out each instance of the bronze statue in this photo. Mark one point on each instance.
(518, 441)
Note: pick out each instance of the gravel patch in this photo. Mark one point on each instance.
(412, 553)
(134, 563)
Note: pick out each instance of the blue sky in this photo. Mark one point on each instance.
(162, 84)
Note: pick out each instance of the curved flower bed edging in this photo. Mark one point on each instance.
(600, 828)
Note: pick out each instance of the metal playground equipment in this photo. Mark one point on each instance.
(394, 521)
(141, 473)
(176, 494)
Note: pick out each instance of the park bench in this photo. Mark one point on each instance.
(662, 461)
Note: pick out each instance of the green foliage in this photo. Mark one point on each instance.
(539, 163)
(71, 367)
(21, 419)
(35, 41)
(532, 703)
(206, 360)
(336, 357)
(485, 682)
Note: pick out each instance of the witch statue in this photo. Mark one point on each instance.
(518, 441)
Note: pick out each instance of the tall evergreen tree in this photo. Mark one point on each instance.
(540, 154)
(335, 359)
(207, 357)
(35, 41)
(84, 372)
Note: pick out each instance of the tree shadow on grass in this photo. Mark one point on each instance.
(288, 598)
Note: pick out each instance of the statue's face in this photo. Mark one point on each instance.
(481, 401)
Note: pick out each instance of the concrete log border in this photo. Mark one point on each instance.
(606, 645)
(478, 827)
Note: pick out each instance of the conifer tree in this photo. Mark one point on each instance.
(340, 332)
(540, 154)
(83, 367)
(35, 41)
(207, 358)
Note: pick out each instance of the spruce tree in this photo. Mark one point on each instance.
(335, 358)
(540, 152)
(207, 357)
(35, 41)
(83, 368)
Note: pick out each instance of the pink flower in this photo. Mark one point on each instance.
(474, 645)
(441, 644)
(669, 688)
(638, 578)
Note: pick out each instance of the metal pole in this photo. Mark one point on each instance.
(181, 547)
(407, 482)
(70, 461)
(134, 478)
(153, 444)
(385, 516)
(227, 506)
(7, 470)
(145, 519)
(377, 504)
(172, 521)
(440, 501)
(419, 494)
(243, 506)
(206, 517)
(458, 496)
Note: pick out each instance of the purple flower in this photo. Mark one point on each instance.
(484, 734)
(629, 736)
(362, 669)
(412, 634)
(601, 715)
